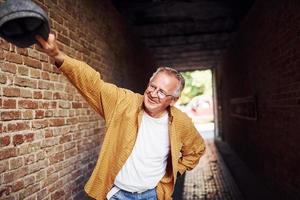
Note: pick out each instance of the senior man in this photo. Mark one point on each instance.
(147, 143)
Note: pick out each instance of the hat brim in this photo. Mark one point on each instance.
(21, 27)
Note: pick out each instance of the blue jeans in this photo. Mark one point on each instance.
(124, 195)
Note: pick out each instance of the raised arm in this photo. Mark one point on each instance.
(102, 96)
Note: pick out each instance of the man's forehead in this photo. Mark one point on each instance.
(164, 80)
(164, 74)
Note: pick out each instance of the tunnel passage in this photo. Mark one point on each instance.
(186, 35)
(253, 47)
(50, 137)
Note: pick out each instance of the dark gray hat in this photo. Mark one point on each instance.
(21, 20)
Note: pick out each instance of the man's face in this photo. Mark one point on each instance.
(159, 94)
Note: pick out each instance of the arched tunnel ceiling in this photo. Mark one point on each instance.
(185, 34)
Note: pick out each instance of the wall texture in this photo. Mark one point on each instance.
(49, 136)
(264, 63)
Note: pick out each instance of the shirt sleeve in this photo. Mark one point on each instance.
(192, 150)
(101, 96)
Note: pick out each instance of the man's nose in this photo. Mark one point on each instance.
(155, 93)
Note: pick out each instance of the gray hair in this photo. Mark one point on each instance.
(174, 73)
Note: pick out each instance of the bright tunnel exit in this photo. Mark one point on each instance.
(197, 100)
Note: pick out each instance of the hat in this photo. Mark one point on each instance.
(21, 20)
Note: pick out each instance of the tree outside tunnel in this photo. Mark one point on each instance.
(197, 99)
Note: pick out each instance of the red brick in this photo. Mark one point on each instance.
(9, 103)
(57, 95)
(22, 51)
(56, 16)
(13, 57)
(40, 156)
(61, 29)
(35, 73)
(69, 89)
(25, 82)
(65, 138)
(56, 122)
(39, 114)
(44, 57)
(32, 63)
(4, 44)
(45, 76)
(25, 93)
(47, 95)
(57, 194)
(19, 126)
(23, 70)
(33, 53)
(18, 139)
(4, 166)
(56, 158)
(11, 92)
(47, 67)
(3, 78)
(10, 115)
(8, 67)
(29, 137)
(38, 124)
(29, 159)
(8, 153)
(76, 105)
(48, 133)
(37, 95)
(46, 85)
(15, 163)
(51, 142)
(49, 113)
(63, 39)
(29, 191)
(4, 141)
(1, 54)
(29, 148)
(70, 153)
(15, 175)
(73, 120)
(28, 104)
(27, 114)
(19, 185)
(42, 193)
(50, 179)
(41, 175)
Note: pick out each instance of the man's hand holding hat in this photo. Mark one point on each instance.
(50, 47)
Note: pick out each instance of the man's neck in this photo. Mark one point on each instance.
(155, 114)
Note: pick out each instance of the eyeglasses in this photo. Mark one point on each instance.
(160, 93)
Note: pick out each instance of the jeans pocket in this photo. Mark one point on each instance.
(116, 196)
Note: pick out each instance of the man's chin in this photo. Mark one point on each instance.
(150, 106)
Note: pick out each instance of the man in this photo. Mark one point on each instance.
(147, 141)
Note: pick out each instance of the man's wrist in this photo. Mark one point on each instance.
(59, 59)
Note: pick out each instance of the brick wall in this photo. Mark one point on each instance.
(49, 136)
(264, 63)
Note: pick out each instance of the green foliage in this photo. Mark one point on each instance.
(196, 83)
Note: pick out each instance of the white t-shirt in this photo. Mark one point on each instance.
(147, 162)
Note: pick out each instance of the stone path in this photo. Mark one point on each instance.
(210, 180)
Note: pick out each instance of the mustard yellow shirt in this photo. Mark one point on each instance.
(122, 111)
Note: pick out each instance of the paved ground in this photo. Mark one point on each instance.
(220, 175)
(210, 180)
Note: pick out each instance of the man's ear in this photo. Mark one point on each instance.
(174, 100)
